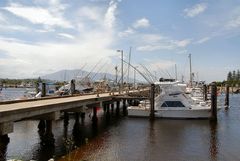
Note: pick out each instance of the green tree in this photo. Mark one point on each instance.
(238, 75)
(234, 75)
(229, 76)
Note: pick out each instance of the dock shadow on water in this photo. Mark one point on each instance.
(136, 139)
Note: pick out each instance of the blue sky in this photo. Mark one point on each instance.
(42, 36)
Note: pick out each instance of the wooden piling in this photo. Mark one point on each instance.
(42, 125)
(82, 117)
(94, 118)
(112, 107)
(214, 102)
(43, 89)
(118, 108)
(72, 87)
(227, 97)
(48, 136)
(66, 118)
(152, 101)
(205, 92)
(124, 107)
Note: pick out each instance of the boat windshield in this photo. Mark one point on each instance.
(172, 104)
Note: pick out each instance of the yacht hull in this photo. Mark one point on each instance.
(170, 113)
(184, 114)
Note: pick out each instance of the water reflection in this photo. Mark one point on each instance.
(4, 140)
(213, 149)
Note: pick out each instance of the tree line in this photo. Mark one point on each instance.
(233, 77)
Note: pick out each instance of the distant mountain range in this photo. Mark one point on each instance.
(67, 75)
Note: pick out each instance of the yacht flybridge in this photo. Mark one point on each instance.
(173, 102)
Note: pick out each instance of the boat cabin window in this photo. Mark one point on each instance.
(172, 104)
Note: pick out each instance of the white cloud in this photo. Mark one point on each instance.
(234, 23)
(40, 58)
(126, 33)
(183, 43)
(110, 18)
(38, 15)
(65, 35)
(2, 18)
(195, 10)
(155, 47)
(153, 42)
(141, 23)
(205, 39)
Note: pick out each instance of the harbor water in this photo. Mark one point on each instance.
(131, 139)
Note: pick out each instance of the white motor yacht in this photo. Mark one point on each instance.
(172, 102)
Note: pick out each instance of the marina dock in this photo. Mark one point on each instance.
(51, 108)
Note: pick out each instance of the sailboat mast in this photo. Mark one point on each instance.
(129, 61)
(190, 63)
(176, 77)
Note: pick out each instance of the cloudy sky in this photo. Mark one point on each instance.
(43, 36)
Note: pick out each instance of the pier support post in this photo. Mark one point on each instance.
(118, 108)
(107, 110)
(205, 92)
(77, 116)
(42, 125)
(124, 107)
(227, 97)
(4, 140)
(152, 101)
(82, 117)
(213, 102)
(48, 136)
(66, 118)
(43, 89)
(112, 107)
(94, 118)
(104, 107)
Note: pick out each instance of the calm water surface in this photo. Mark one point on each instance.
(132, 139)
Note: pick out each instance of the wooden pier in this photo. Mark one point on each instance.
(49, 109)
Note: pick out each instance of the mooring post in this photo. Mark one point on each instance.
(213, 102)
(152, 101)
(43, 89)
(66, 118)
(124, 107)
(72, 87)
(118, 108)
(48, 137)
(227, 97)
(82, 117)
(112, 107)
(205, 92)
(42, 125)
(94, 118)
(37, 88)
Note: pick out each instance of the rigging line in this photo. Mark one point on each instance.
(147, 72)
(130, 52)
(76, 74)
(139, 72)
(92, 69)
(98, 72)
